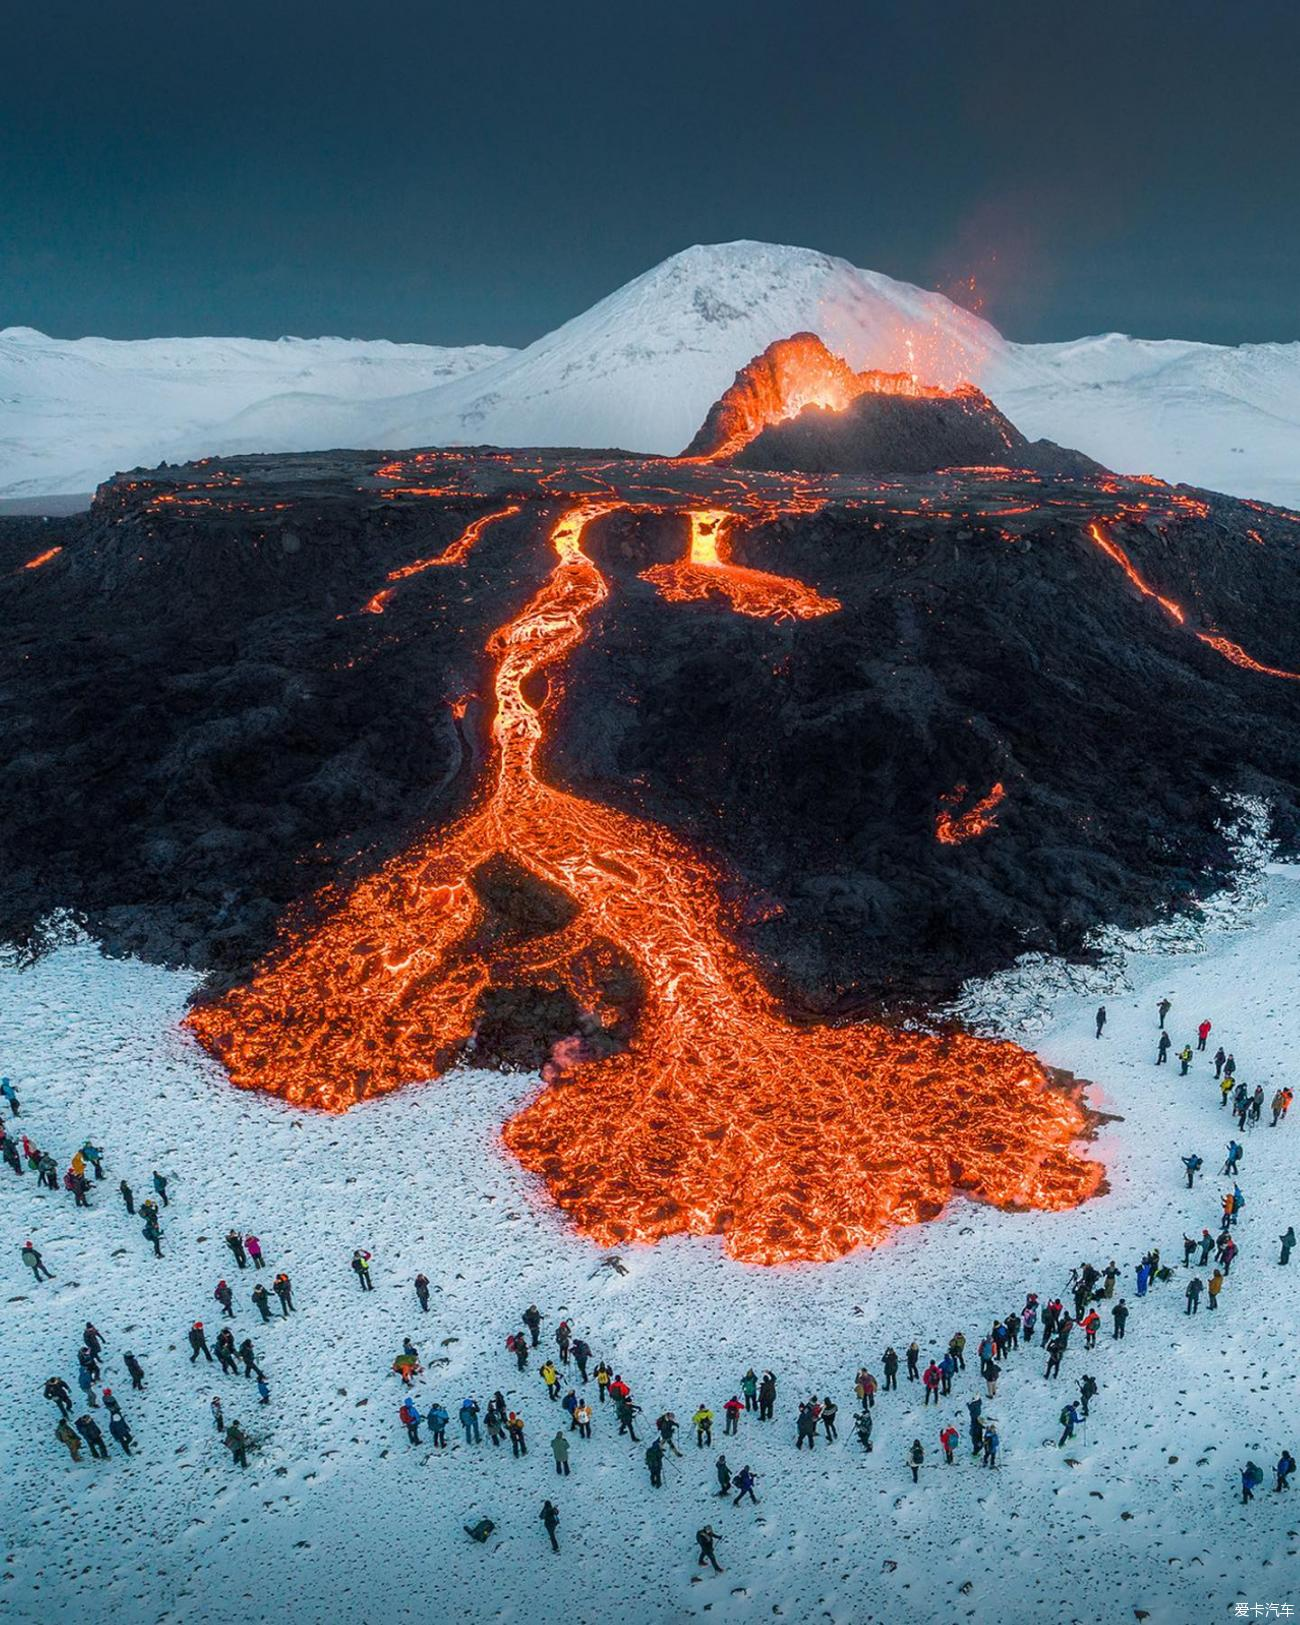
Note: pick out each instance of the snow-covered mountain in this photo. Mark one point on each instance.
(73, 411)
(640, 369)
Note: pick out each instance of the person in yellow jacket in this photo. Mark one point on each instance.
(551, 1377)
(78, 1164)
(1215, 1287)
(703, 1421)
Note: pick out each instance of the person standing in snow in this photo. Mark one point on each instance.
(1119, 1314)
(262, 1300)
(913, 1361)
(249, 1357)
(704, 1539)
(236, 1441)
(128, 1197)
(991, 1443)
(654, 1460)
(515, 1428)
(1215, 1286)
(1230, 1066)
(1184, 1059)
(767, 1395)
(560, 1450)
(469, 1420)
(862, 1426)
(361, 1269)
(1101, 1018)
(437, 1418)
(410, 1418)
(1233, 1159)
(746, 1478)
(11, 1096)
(703, 1424)
(134, 1369)
(581, 1354)
(422, 1292)
(88, 1428)
(283, 1289)
(236, 1244)
(1250, 1477)
(1202, 1034)
(889, 1360)
(1087, 1392)
(915, 1459)
(1287, 1239)
(199, 1343)
(1162, 1010)
(35, 1263)
(226, 1298)
(68, 1437)
(948, 1436)
(1162, 1049)
(532, 1318)
(1069, 1421)
(253, 1247)
(1220, 1057)
(1192, 1164)
(1285, 1467)
(1194, 1290)
(550, 1518)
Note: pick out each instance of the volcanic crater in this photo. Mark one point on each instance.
(683, 778)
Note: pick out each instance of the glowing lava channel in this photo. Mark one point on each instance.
(706, 572)
(952, 828)
(720, 1117)
(454, 553)
(1224, 646)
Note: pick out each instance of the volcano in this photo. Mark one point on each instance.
(680, 778)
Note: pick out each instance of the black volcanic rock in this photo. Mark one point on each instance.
(905, 434)
(202, 727)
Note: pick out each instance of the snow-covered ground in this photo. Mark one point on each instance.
(338, 1519)
(640, 370)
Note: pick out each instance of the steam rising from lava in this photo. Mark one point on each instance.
(796, 1143)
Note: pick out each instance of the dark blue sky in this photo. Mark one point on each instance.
(483, 171)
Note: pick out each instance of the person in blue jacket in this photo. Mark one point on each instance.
(1250, 1477)
(437, 1419)
(469, 1420)
(1192, 1165)
(1069, 1421)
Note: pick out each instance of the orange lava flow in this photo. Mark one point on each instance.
(792, 374)
(42, 558)
(706, 572)
(952, 827)
(721, 1116)
(1214, 640)
(454, 553)
(1238, 656)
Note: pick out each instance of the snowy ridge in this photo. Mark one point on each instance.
(640, 370)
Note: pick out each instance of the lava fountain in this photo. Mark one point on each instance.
(721, 1115)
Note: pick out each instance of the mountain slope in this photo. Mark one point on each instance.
(74, 411)
(641, 369)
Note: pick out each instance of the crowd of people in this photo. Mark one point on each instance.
(579, 1390)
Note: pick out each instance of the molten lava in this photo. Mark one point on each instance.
(707, 572)
(952, 827)
(721, 1116)
(42, 558)
(792, 374)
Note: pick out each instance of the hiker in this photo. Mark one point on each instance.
(122, 1433)
(1087, 1392)
(1101, 1018)
(703, 1424)
(226, 1352)
(1069, 1421)
(1233, 1160)
(533, 1320)
(1220, 1056)
(991, 1442)
(975, 1407)
(1287, 1239)
(806, 1428)
(469, 1420)
(88, 1428)
(830, 1410)
(603, 1378)
(1203, 1033)
(930, 1381)
(1162, 1049)
(704, 1539)
(654, 1460)
(582, 1419)
(667, 1426)
(1250, 1477)
(236, 1244)
(889, 1360)
(913, 1361)
(10, 1095)
(361, 1269)
(57, 1390)
(731, 1415)
(68, 1436)
(479, 1531)
(862, 1426)
(1193, 1165)
(1194, 1290)
(253, 1247)
(128, 1197)
(160, 1187)
(746, 1478)
(226, 1298)
(262, 1299)
(152, 1233)
(581, 1354)
(915, 1458)
(422, 1291)
(134, 1369)
(749, 1387)
(246, 1354)
(563, 1338)
(1184, 1060)
(560, 1450)
(515, 1428)
(199, 1343)
(1163, 1009)
(551, 1377)
(218, 1418)
(1214, 1287)
(766, 1396)
(550, 1518)
(948, 1436)
(35, 1263)
(283, 1289)
(236, 1441)
(1285, 1467)
(723, 1473)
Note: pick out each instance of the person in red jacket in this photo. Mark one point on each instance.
(1203, 1033)
(1090, 1322)
(931, 1378)
(731, 1410)
(948, 1438)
